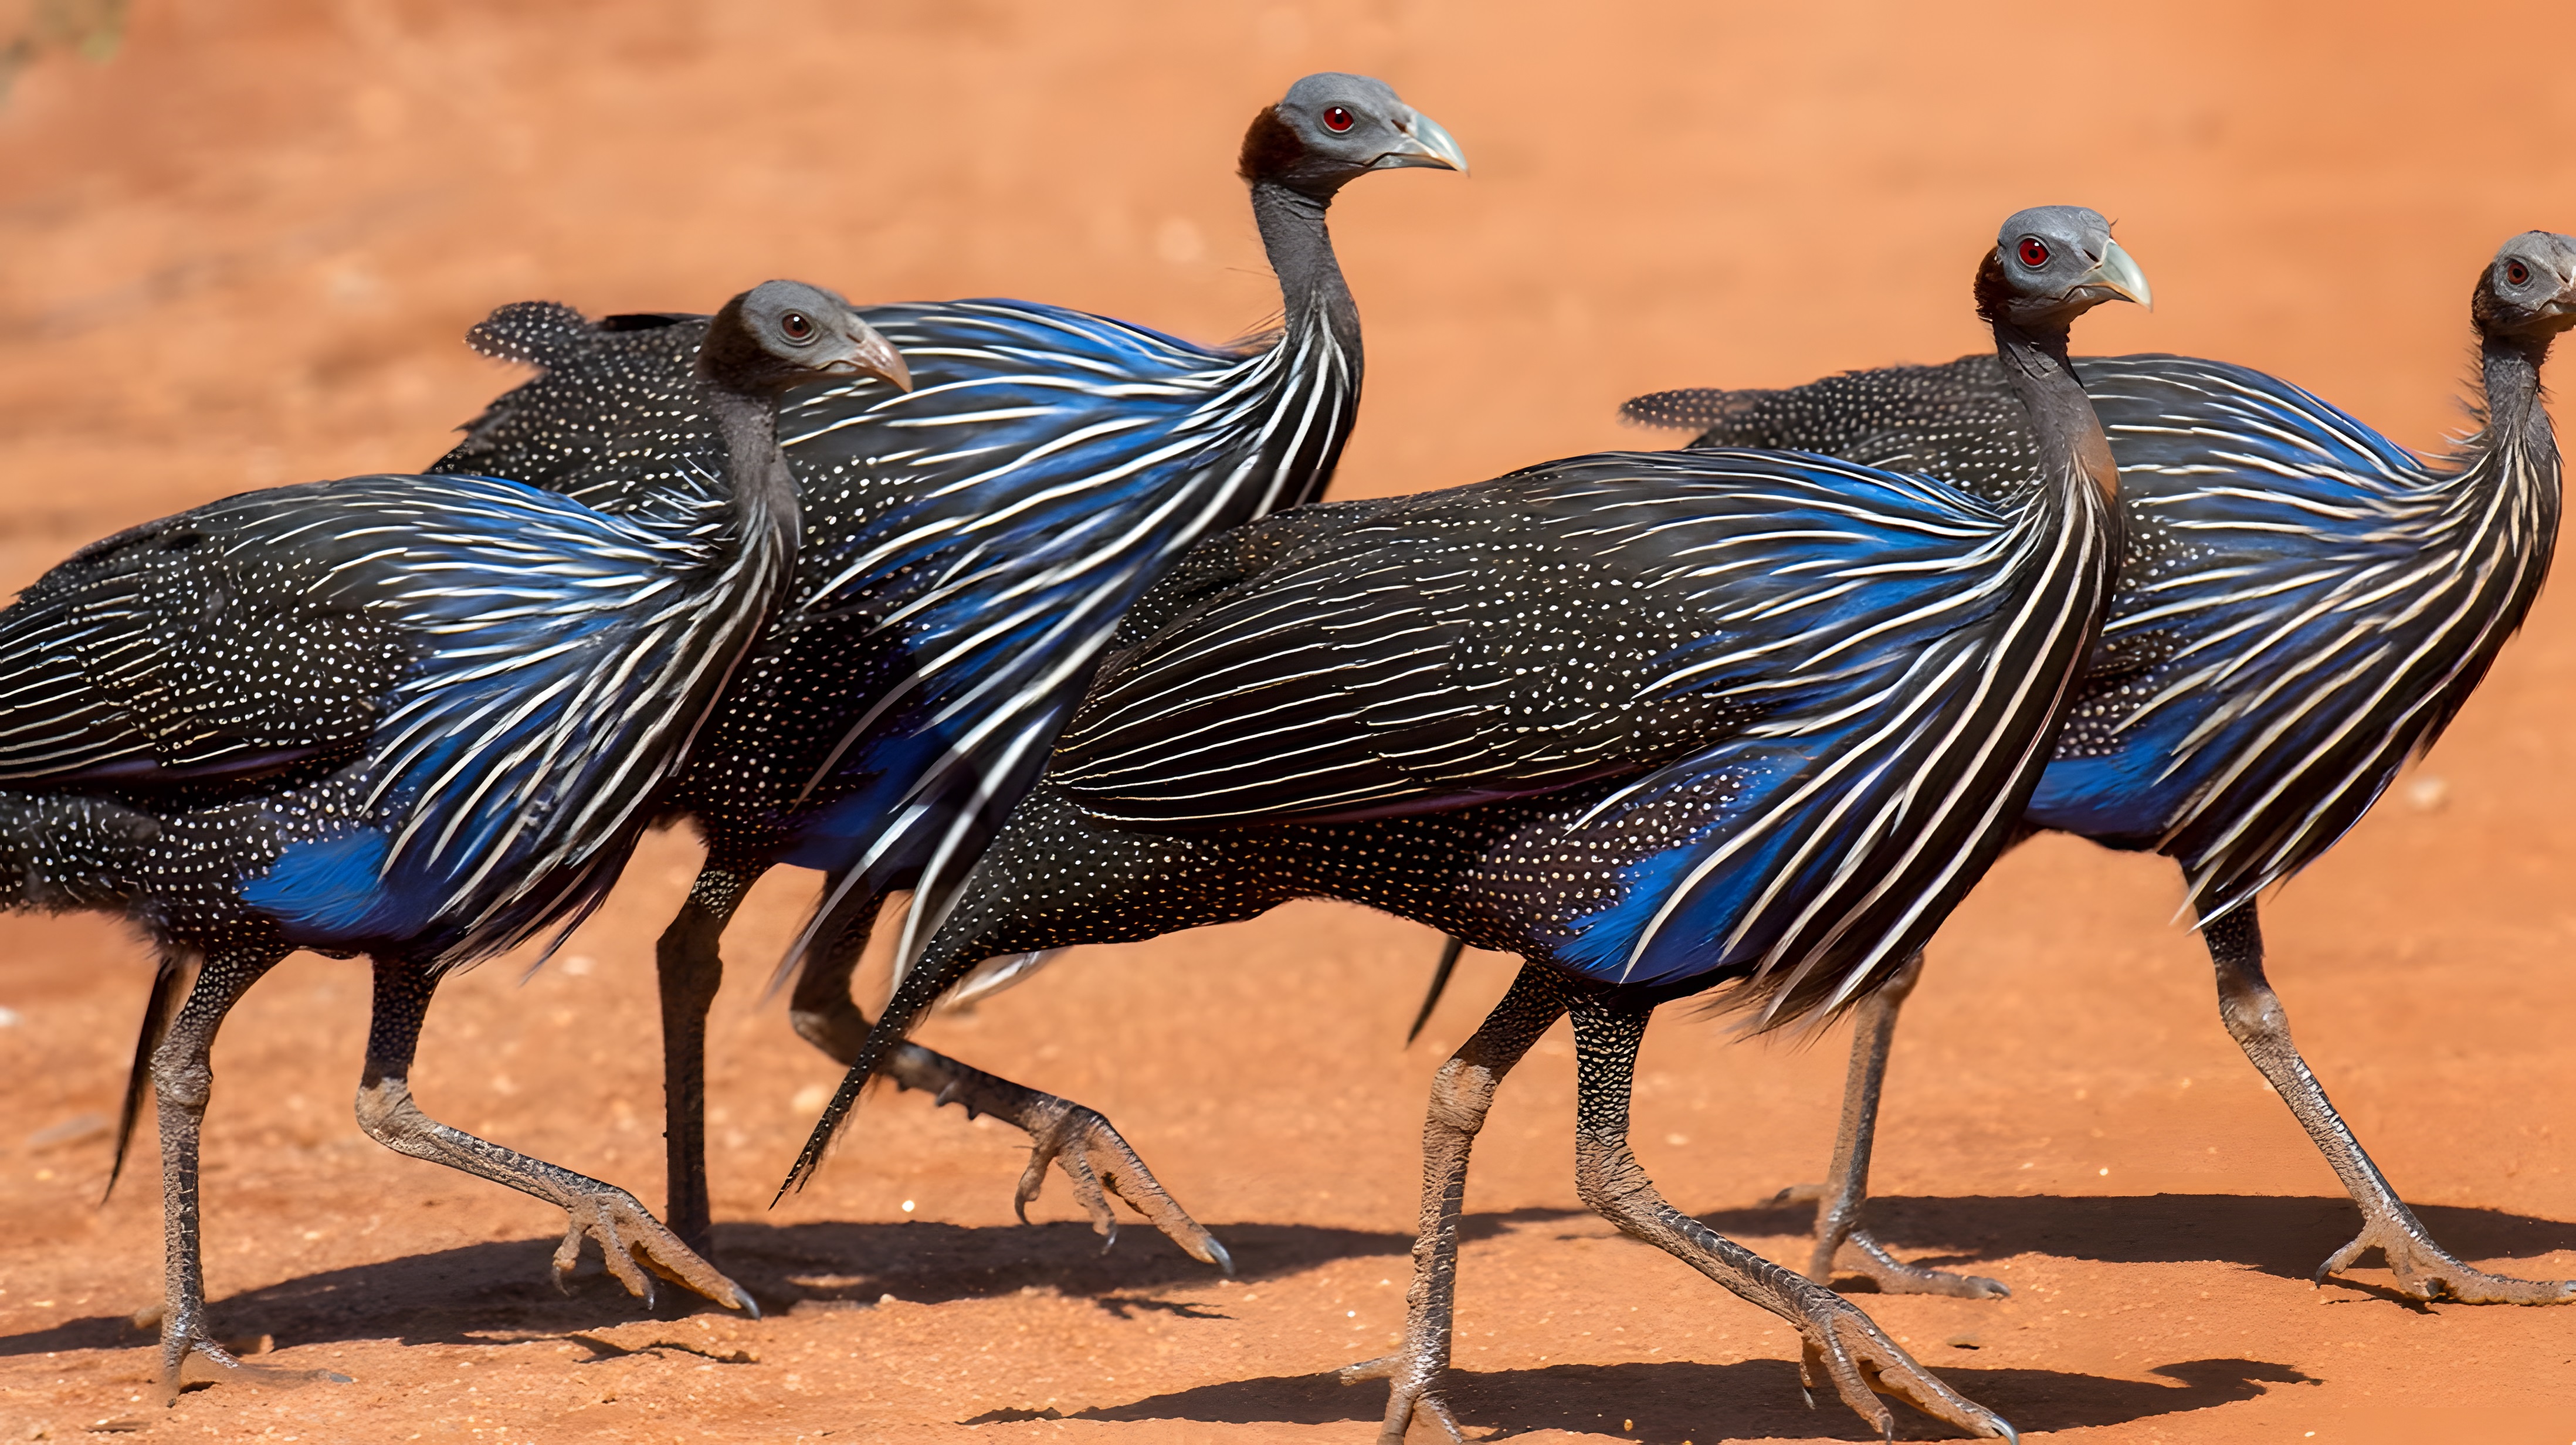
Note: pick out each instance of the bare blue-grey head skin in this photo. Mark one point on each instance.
(781, 334)
(2051, 264)
(1332, 127)
(2529, 290)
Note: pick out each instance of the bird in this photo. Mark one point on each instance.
(418, 718)
(968, 548)
(1655, 721)
(2303, 608)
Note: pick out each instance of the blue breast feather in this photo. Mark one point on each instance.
(2287, 524)
(1052, 463)
(537, 715)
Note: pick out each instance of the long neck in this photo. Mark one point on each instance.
(2061, 417)
(762, 491)
(2517, 424)
(1301, 253)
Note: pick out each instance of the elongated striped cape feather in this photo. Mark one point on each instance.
(2304, 605)
(985, 531)
(452, 698)
(1800, 701)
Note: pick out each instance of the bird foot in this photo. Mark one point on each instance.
(1843, 1346)
(189, 1359)
(1409, 1375)
(633, 1242)
(1862, 1254)
(2427, 1271)
(1098, 1163)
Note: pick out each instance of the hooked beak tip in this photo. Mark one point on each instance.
(877, 357)
(1432, 145)
(2118, 273)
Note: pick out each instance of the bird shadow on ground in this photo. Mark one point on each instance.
(504, 1289)
(1671, 1402)
(2287, 1236)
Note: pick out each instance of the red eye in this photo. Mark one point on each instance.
(1337, 119)
(2516, 273)
(2034, 252)
(796, 326)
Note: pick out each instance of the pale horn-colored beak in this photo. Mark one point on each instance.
(1426, 144)
(2118, 275)
(876, 356)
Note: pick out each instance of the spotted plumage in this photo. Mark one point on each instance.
(2302, 608)
(968, 546)
(2303, 604)
(420, 718)
(1656, 722)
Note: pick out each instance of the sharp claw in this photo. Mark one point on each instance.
(1223, 1260)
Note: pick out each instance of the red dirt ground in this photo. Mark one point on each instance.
(242, 252)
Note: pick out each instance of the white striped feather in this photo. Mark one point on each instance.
(2404, 587)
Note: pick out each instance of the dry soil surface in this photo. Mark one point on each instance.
(242, 251)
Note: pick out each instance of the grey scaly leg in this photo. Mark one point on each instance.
(689, 969)
(1082, 1142)
(1839, 1200)
(183, 1080)
(630, 1238)
(1840, 1342)
(2255, 1019)
(1460, 1097)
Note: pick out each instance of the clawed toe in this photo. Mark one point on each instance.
(213, 1364)
(1409, 1396)
(1097, 1162)
(2426, 1271)
(1848, 1350)
(1865, 1254)
(636, 1247)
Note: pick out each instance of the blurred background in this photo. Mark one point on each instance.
(239, 245)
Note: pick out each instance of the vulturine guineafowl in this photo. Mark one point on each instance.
(2303, 607)
(1657, 722)
(968, 548)
(418, 718)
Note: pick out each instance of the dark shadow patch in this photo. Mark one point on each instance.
(2285, 1236)
(611, 1350)
(1667, 1403)
(504, 1290)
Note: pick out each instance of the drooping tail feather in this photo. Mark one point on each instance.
(167, 989)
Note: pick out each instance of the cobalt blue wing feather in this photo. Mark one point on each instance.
(2315, 605)
(556, 663)
(2303, 604)
(1860, 726)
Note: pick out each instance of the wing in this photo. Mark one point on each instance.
(2309, 605)
(2303, 606)
(985, 532)
(163, 656)
(1576, 622)
(1957, 422)
(557, 663)
(613, 419)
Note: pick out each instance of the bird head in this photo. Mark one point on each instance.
(2052, 264)
(2529, 290)
(1331, 127)
(781, 334)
